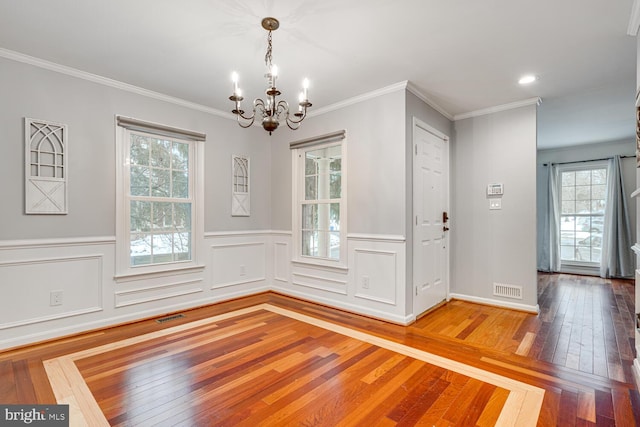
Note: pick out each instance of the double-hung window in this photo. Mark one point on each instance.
(157, 213)
(320, 200)
(582, 193)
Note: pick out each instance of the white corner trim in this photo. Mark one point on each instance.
(496, 303)
(636, 248)
(359, 98)
(634, 20)
(504, 107)
(414, 90)
(105, 81)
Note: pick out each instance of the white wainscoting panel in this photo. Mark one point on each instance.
(376, 275)
(281, 261)
(320, 280)
(237, 263)
(157, 292)
(26, 286)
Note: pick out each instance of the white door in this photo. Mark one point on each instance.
(430, 202)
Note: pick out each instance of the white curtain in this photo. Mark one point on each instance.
(554, 220)
(548, 225)
(617, 257)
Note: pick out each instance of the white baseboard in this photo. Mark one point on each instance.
(352, 308)
(497, 303)
(87, 327)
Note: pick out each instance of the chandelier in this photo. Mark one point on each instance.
(271, 111)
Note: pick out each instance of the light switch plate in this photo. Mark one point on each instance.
(495, 204)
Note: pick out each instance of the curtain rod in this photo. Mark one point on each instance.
(585, 161)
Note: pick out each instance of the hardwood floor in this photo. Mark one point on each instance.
(266, 367)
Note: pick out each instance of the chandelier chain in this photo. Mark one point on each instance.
(267, 56)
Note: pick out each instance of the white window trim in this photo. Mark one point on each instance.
(298, 196)
(124, 270)
(571, 265)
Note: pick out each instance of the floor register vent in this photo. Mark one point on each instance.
(507, 291)
(169, 318)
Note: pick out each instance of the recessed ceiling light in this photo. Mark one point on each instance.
(525, 80)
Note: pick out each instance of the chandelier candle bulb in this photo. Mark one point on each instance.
(305, 87)
(234, 79)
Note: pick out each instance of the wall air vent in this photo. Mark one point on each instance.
(169, 318)
(507, 291)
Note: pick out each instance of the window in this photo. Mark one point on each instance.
(582, 200)
(160, 200)
(319, 194)
(158, 211)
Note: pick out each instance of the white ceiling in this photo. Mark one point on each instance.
(463, 55)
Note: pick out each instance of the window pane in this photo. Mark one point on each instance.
(583, 206)
(335, 186)
(140, 213)
(568, 207)
(182, 246)
(598, 191)
(139, 181)
(310, 217)
(182, 216)
(311, 188)
(599, 176)
(180, 156)
(160, 183)
(334, 217)
(162, 216)
(336, 165)
(583, 177)
(310, 165)
(140, 249)
(568, 193)
(139, 152)
(583, 192)
(568, 178)
(567, 253)
(160, 153)
(180, 184)
(310, 243)
(334, 245)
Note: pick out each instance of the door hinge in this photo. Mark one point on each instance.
(416, 219)
(416, 149)
(416, 291)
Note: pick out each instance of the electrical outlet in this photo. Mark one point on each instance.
(55, 298)
(365, 282)
(243, 270)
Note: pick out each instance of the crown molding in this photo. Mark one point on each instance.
(360, 98)
(634, 20)
(504, 107)
(73, 72)
(414, 90)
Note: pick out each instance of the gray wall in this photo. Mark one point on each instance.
(494, 245)
(89, 109)
(375, 164)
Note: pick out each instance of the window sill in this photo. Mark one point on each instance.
(173, 270)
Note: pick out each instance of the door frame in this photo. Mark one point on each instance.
(417, 311)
